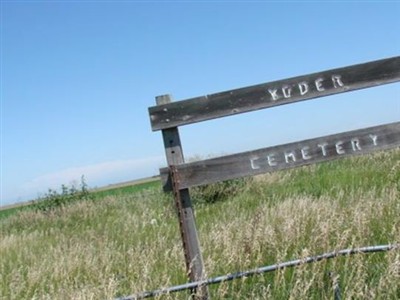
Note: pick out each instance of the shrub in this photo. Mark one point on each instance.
(54, 199)
(219, 191)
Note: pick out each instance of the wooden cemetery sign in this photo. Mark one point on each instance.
(180, 176)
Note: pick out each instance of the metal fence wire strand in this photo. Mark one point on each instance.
(265, 269)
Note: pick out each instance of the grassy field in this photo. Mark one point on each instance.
(127, 241)
(98, 193)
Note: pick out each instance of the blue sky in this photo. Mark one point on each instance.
(77, 78)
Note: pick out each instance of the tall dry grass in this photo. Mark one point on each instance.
(130, 243)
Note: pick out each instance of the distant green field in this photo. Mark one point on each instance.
(97, 194)
(124, 190)
(128, 239)
(4, 213)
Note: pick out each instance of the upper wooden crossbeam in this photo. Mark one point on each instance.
(275, 93)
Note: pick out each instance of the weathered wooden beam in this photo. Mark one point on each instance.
(187, 224)
(287, 156)
(275, 93)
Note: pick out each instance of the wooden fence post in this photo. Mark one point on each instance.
(191, 245)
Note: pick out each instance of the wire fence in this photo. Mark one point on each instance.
(265, 269)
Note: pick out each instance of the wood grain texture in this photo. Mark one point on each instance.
(187, 224)
(275, 93)
(287, 156)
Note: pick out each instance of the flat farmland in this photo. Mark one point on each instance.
(127, 240)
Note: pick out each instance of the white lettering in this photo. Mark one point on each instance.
(323, 148)
(318, 84)
(303, 87)
(274, 94)
(287, 91)
(252, 163)
(374, 139)
(290, 155)
(337, 81)
(304, 153)
(308, 152)
(339, 148)
(355, 144)
(272, 160)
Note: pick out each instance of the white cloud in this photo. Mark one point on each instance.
(95, 175)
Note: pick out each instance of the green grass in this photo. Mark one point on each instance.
(126, 190)
(10, 211)
(96, 194)
(128, 241)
